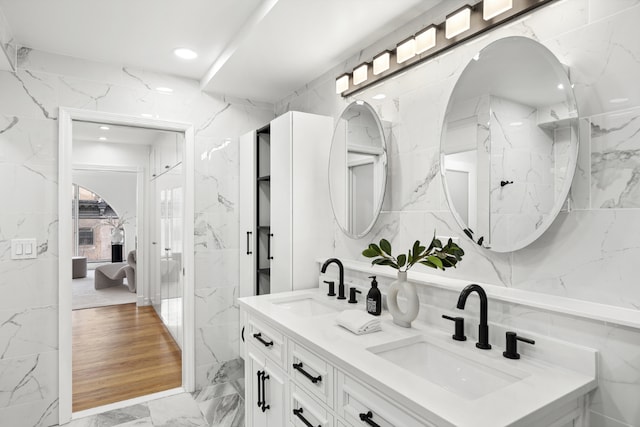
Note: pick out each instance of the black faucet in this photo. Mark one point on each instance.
(341, 270)
(483, 328)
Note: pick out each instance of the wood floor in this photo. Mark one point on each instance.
(121, 352)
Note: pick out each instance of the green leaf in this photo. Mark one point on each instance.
(385, 261)
(437, 243)
(385, 246)
(375, 247)
(402, 259)
(428, 264)
(435, 261)
(369, 253)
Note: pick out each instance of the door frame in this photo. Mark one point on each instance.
(65, 164)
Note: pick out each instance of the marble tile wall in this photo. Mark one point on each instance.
(28, 191)
(590, 252)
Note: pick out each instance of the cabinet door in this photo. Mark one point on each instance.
(254, 367)
(247, 210)
(280, 241)
(265, 391)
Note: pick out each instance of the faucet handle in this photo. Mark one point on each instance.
(352, 295)
(512, 345)
(332, 290)
(459, 331)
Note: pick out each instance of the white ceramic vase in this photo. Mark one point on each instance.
(117, 236)
(409, 293)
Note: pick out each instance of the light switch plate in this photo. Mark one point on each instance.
(24, 249)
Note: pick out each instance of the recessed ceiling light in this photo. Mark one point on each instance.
(164, 89)
(185, 53)
(359, 102)
(560, 86)
(146, 115)
(103, 138)
(515, 124)
(104, 127)
(379, 96)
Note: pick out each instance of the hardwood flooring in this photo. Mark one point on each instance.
(121, 352)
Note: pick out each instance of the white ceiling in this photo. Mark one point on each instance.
(257, 49)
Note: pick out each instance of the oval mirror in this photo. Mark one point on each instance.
(509, 144)
(357, 169)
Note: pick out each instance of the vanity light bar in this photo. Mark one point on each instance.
(458, 22)
(459, 26)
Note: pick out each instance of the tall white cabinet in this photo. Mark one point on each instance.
(285, 210)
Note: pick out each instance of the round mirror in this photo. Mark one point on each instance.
(509, 144)
(357, 169)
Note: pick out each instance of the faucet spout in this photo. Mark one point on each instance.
(483, 327)
(341, 273)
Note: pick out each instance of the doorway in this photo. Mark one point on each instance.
(184, 274)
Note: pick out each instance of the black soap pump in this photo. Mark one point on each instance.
(374, 298)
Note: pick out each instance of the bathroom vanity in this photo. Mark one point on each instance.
(302, 369)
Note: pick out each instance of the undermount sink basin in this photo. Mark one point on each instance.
(448, 369)
(305, 306)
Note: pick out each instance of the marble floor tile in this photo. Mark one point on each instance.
(180, 410)
(226, 411)
(117, 417)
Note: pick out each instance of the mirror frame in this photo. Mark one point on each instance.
(383, 188)
(564, 194)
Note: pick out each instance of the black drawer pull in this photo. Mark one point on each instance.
(249, 233)
(298, 367)
(298, 413)
(258, 336)
(259, 373)
(264, 399)
(367, 419)
(269, 236)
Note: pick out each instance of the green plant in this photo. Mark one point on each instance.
(435, 256)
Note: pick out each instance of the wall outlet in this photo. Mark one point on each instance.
(24, 249)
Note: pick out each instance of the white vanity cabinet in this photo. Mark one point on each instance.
(306, 389)
(285, 210)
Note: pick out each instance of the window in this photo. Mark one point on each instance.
(85, 236)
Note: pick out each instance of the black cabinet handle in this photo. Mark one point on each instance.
(242, 334)
(298, 413)
(258, 336)
(264, 399)
(259, 373)
(249, 233)
(269, 236)
(367, 419)
(298, 367)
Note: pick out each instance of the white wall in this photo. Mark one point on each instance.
(588, 254)
(28, 174)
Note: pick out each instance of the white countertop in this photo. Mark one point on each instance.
(572, 373)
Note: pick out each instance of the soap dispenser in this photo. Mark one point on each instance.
(374, 298)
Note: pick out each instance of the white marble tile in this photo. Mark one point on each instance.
(581, 185)
(37, 60)
(24, 96)
(216, 269)
(28, 331)
(414, 181)
(176, 411)
(599, 9)
(227, 411)
(216, 306)
(615, 160)
(25, 284)
(215, 231)
(34, 414)
(28, 379)
(217, 344)
(602, 62)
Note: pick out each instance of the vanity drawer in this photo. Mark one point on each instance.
(266, 338)
(311, 372)
(306, 410)
(356, 401)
